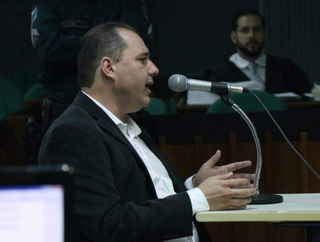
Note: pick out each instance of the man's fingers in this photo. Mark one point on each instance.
(243, 175)
(246, 186)
(243, 192)
(238, 165)
(224, 192)
(237, 182)
(214, 159)
(239, 202)
(225, 176)
(241, 188)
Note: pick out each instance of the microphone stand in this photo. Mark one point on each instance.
(257, 198)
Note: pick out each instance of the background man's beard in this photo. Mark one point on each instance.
(248, 53)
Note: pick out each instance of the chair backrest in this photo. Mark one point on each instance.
(157, 107)
(248, 103)
(3, 110)
(37, 91)
(10, 97)
(25, 78)
(171, 104)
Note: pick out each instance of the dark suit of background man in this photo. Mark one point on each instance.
(125, 188)
(274, 74)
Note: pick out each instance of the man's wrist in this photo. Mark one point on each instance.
(194, 182)
(198, 200)
(189, 183)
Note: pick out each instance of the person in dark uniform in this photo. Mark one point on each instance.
(57, 29)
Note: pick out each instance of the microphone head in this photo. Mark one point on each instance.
(178, 83)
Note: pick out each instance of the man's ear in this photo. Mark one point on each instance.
(233, 37)
(107, 67)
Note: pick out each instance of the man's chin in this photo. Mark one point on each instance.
(146, 102)
(252, 53)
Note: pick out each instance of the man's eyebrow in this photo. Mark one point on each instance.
(144, 54)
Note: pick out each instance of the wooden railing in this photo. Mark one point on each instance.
(282, 172)
(12, 134)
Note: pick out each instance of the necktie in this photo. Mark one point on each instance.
(253, 68)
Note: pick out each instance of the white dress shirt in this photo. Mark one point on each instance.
(256, 71)
(158, 173)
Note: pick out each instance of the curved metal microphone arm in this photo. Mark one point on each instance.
(236, 108)
(257, 198)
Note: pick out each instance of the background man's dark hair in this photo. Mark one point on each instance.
(246, 12)
(103, 40)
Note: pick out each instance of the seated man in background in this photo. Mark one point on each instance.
(269, 73)
(125, 188)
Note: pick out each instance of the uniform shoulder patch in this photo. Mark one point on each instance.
(34, 15)
(34, 32)
(34, 37)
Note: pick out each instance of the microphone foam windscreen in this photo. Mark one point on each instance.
(178, 83)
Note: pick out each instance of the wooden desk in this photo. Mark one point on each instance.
(299, 208)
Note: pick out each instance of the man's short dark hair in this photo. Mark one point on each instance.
(247, 12)
(103, 40)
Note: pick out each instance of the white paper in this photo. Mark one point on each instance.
(207, 98)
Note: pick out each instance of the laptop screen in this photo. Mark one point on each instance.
(32, 205)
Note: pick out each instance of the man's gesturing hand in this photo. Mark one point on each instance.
(223, 192)
(209, 169)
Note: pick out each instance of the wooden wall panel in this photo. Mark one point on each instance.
(253, 232)
(15, 145)
(183, 154)
(282, 172)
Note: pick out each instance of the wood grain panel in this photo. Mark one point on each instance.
(282, 172)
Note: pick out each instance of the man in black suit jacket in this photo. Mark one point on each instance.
(125, 188)
(273, 74)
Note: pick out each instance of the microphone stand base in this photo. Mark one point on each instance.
(266, 199)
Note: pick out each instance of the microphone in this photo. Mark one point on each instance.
(180, 83)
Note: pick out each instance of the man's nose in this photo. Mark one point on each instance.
(251, 33)
(153, 69)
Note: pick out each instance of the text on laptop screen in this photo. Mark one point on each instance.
(32, 213)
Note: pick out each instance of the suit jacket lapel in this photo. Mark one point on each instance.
(103, 121)
(107, 125)
(272, 75)
(174, 175)
(238, 74)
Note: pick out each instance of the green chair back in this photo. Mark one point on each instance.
(248, 103)
(10, 97)
(25, 78)
(3, 110)
(157, 107)
(171, 104)
(36, 91)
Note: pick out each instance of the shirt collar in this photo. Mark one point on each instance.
(262, 60)
(130, 127)
(243, 63)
